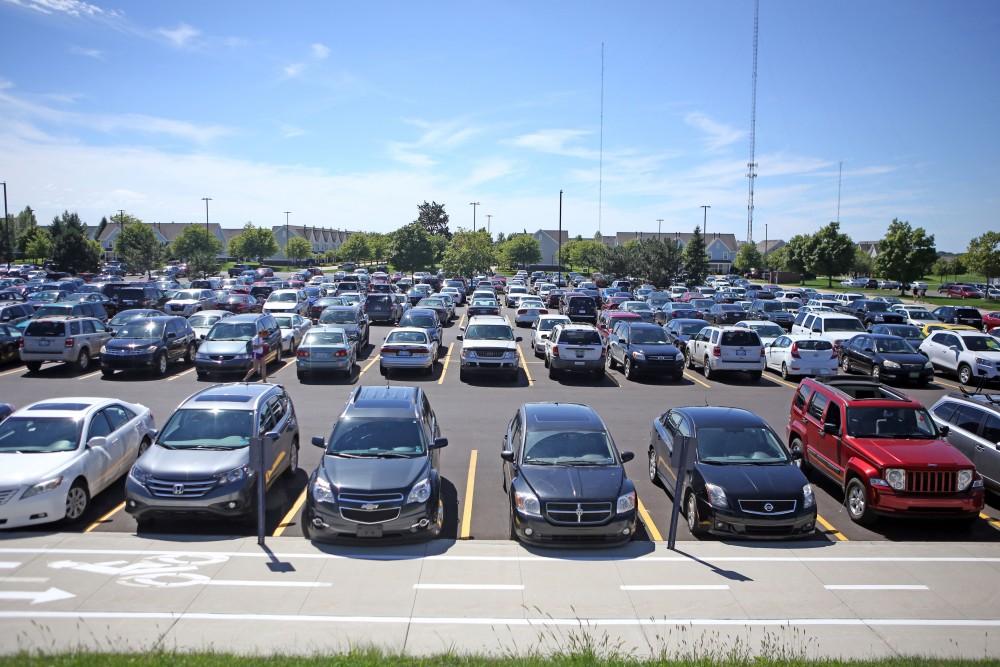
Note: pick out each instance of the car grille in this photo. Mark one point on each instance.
(369, 516)
(489, 354)
(569, 514)
(768, 507)
(370, 507)
(930, 481)
(6, 494)
(190, 488)
(223, 357)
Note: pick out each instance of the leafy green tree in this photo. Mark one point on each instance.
(199, 248)
(696, 258)
(298, 249)
(138, 247)
(379, 245)
(862, 263)
(412, 248)
(657, 260)
(433, 218)
(72, 251)
(795, 255)
(39, 245)
(983, 255)
(832, 252)
(905, 253)
(355, 249)
(748, 258)
(15, 231)
(500, 238)
(469, 253)
(101, 226)
(253, 242)
(586, 254)
(520, 250)
(440, 244)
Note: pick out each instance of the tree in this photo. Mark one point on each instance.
(696, 258)
(748, 258)
(298, 249)
(138, 247)
(379, 245)
(433, 219)
(904, 253)
(72, 251)
(355, 248)
(101, 226)
(832, 252)
(253, 242)
(521, 250)
(657, 260)
(500, 238)
(411, 248)
(588, 254)
(862, 264)
(440, 244)
(15, 233)
(983, 255)
(39, 245)
(795, 255)
(469, 253)
(199, 248)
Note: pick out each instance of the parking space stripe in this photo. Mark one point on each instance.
(369, 365)
(524, 365)
(828, 527)
(781, 381)
(289, 518)
(89, 375)
(470, 489)
(995, 523)
(647, 521)
(945, 383)
(447, 360)
(696, 380)
(105, 517)
(187, 372)
(19, 369)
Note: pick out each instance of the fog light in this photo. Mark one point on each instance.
(529, 532)
(232, 504)
(38, 516)
(319, 523)
(720, 525)
(626, 531)
(131, 503)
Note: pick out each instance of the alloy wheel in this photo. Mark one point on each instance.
(76, 502)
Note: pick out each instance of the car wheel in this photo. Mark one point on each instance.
(856, 500)
(689, 362)
(654, 473)
(83, 361)
(201, 375)
(707, 370)
(77, 501)
(965, 374)
(160, 365)
(300, 375)
(511, 532)
(876, 372)
(462, 375)
(189, 354)
(691, 513)
(553, 372)
(9, 354)
(293, 460)
(107, 372)
(629, 369)
(784, 370)
(612, 364)
(383, 371)
(546, 361)
(802, 463)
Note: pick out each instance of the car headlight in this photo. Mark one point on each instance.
(929, 366)
(104, 349)
(322, 491)
(42, 487)
(234, 475)
(983, 362)
(625, 503)
(888, 363)
(508, 355)
(527, 503)
(638, 354)
(716, 495)
(139, 475)
(808, 498)
(896, 478)
(421, 491)
(963, 480)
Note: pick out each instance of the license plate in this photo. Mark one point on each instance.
(825, 371)
(404, 353)
(579, 354)
(914, 376)
(369, 531)
(578, 363)
(322, 355)
(581, 312)
(44, 343)
(741, 353)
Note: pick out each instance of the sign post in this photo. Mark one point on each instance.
(675, 510)
(259, 466)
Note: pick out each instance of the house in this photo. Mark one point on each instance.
(870, 248)
(322, 239)
(769, 246)
(548, 243)
(165, 232)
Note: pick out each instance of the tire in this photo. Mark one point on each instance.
(300, 375)
(462, 375)
(160, 365)
(803, 464)
(784, 371)
(845, 364)
(553, 373)
(856, 502)
(189, 354)
(201, 374)
(678, 377)
(546, 362)
(612, 364)
(965, 375)
(511, 533)
(293, 461)
(691, 514)
(107, 373)
(876, 372)
(77, 502)
(630, 372)
(707, 370)
(82, 362)
(144, 524)
(143, 446)
(383, 371)
(9, 354)
(652, 470)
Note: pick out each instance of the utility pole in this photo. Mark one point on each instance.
(473, 204)
(659, 229)
(704, 220)
(559, 253)
(287, 213)
(766, 267)
(489, 224)
(206, 200)
(121, 225)
(752, 165)
(840, 173)
(7, 226)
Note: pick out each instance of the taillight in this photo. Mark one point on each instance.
(761, 353)
(716, 351)
(386, 351)
(521, 311)
(20, 343)
(543, 311)
(302, 354)
(555, 350)
(69, 342)
(795, 351)
(341, 353)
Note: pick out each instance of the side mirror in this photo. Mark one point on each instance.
(831, 429)
(627, 456)
(459, 337)
(97, 441)
(944, 430)
(507, 456)
(439, 443)
(272, 436)
(518, 339)
(319, 441)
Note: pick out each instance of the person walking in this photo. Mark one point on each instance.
(258, 353)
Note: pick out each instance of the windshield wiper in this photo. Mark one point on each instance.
(539, 462)
(214, 448)
(393, 455)
(576, 462)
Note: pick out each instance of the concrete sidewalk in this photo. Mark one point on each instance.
(120, 592)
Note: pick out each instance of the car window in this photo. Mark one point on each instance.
(117, 416)
(945, 411)
(741, 337)
(817, 406)
(579, 337)
(991, 429)
(74, 328)
(967, 418)
(802, 396)
(99, 426)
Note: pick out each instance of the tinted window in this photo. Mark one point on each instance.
(580, 337)
(99, 426)
(991, 429)
(752, 444)
(967, 418)
(944, 411)
(889, 422)
(377, 437)
(741, 337)
(140, 329)
(117, 416)
(44, 328)
(814, 344)
(817, 406)
(801, 396)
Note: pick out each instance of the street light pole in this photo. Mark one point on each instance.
(473, 204)
(7, 226)
(704, 222)
(287, 213)
(559, 254)
(489, 224)
(206, 200)
(121, 226)
(659, 229)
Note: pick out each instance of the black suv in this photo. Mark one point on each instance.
(150, 344)
(140, 296)
(960, 315)
(380, 470)
(770, 310)
(581, 309)
(874, 312)
(380, 308)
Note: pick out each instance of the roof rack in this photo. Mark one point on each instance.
(979, 394)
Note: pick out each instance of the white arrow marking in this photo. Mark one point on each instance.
(35, 597)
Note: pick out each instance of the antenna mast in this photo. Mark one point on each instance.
(840, 173)
(751, 165)
(600, 161)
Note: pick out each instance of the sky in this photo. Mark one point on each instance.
(349, 114)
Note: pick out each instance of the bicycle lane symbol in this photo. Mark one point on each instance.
(160, 571)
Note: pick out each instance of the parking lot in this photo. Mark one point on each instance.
(474, 416)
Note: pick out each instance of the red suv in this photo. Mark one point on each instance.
(964, 292)
(884, 451)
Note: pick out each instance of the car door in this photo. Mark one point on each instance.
(821, 453)
(511, 443)
(269, 423)
(126, 434)
(661, 440)
(774, 354)
(951, 350)
(102, 461)
(987, 454)
(618, 342)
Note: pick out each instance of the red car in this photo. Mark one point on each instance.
(883, 450)
(240, 303)
(991, 320)
(608, 318)
(964, 292)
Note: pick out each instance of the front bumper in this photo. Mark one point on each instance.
(486, 364)
(231, 500)
(958, 505)
(123, 362)
(536, 530)
(659, 366)
(414, 519)
(727, 523)
(38, 509)
(906, 375)
(216, 365)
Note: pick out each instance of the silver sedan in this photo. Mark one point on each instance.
(293, 328)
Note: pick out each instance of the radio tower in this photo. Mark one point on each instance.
(600, 159)
(751, 165)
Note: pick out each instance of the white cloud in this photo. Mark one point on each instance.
(320, 51)
(403, 153)
(436, 136)
(293, 70)
(68, 7)
(180, 36)
(290, 131)
(96, 54)
(718, 135)
(489, 170)
(556, 142)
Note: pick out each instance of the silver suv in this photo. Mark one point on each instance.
(576, 348)
(200, 462)
(74, 340)
(489, 346)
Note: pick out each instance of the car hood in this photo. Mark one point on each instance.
(903, 357)
(183, 302)
(574, 482)
(184, 464)
(913, 453)
(479, 343)
(128, 343)
(26, 469)
(761, 482)
(374, 474)
(224, 347)
(656, 348)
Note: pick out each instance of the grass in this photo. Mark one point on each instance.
(933, 283)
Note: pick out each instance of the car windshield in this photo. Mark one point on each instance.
(739, 337)
(767, 330)
(140, 329)
(680, 306)
(284, 321)
(489, 332)
(418, 337)
(739, 445)
(982, 343)
(338, 317)
(894, 345)
(636, 305)
(125, 316)
(876, 306)
(207, 429)
(921, 315)
(203, 320)
(568, 448)
(648, 336)
(377, 437)
(39, 435)
(192, 295)
(46, 297)
(283, 297)
(890, 422)
(843, 324)
(546, 325)
(223, 330)
(730, 307)
(324, 338)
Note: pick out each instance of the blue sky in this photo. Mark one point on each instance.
(349, 114)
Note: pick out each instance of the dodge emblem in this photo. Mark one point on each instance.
(579, 513)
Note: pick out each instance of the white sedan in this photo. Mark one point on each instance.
(541, 329)
(57, 454)
(293, 330)
(798, 355)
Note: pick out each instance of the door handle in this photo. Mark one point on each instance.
(980, 448)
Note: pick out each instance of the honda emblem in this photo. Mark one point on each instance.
(178, 489)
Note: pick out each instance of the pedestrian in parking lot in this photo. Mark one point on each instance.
(258, 349)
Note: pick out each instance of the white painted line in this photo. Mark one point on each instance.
(268, 584)
(677, 587)
(35, 597)
(468, 587)
(23, 580)
(8, 565)
(89, 375)
(876, 587)
(174, 377)
(14, 370)
(511, 621)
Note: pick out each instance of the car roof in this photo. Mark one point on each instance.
(748, 322)
(488, 319)
(986, 401)
(229, 396)
(561, 416)
(552, 316)
(326, 328)
(64, 406)
(969, 334)
(212, 312)
(711, 415)
(245, 317)
(421, 311)
(692, 320)
(419, 330)
(383, 401)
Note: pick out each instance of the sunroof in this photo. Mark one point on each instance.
(224, 398)
(60, 406)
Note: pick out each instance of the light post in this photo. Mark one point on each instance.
(206, 200)
(7, 226)
(704, 222)
(489, 224)
(287, 213)
(659, 229)
(474, 204)
(559, 252)
(121, 226)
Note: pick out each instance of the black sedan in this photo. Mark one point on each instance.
(565, 478)
(886, 358)
(725, 313)
(739, 479)
(150, 344)
(641, 347)
(10, 339)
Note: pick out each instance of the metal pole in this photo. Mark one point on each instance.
(704, 221)
(489, 224)
(767, 268)
(559, 253)
(257, 446)
(206, 200)
(7, 226)
(659, 229)
(678, 499)
(287, 213)
(121, 227)
(473, 204)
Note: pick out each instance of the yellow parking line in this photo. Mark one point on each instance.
(289, 518)
(696, 380)
(995, 523)
(461, 322)
(647, 521)
(174, 377)
(369, 365)
(946, 383)
(444, 366)
(107, 515)
(470, 489)
(780, 381)
(89, 375)
(828, 527)
(524, 365)
(277, 460)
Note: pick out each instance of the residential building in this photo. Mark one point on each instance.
(870, 248)
(548, 243)
(769, 246)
